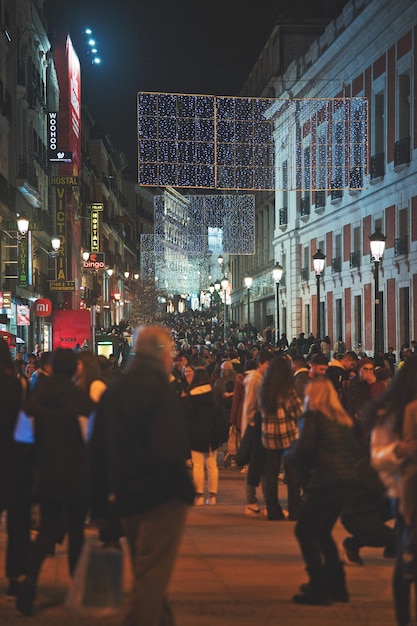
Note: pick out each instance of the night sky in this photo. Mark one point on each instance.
(185, 46)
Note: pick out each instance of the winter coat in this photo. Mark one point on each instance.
(15, 478)
(139, 444)
(206, 425)
(328, 448)
(60, 451)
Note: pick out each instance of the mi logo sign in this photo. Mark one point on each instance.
(42, 307)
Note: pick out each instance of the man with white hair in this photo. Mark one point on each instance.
(140, 445)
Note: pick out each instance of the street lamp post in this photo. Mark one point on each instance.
(248, 280)
(318, 264)
(211, 290)
(217, 287)
(224, 284)
(377, 243)
(277, 275)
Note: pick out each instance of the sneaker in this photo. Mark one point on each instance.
(351, 552)
(199, 500)
(253, 510)
(211, 499)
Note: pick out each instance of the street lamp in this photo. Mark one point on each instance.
(22, 225)
(377, 243)
(318, 264)
(211, 290)
(248, 280)
(277, 275)
(224, 284)
(217, 287)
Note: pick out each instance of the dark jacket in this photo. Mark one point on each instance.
(139, 444)
(206, 425)
(328, 448)
(61, 467)
(15, 457)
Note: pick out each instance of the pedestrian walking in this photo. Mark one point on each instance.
(60, 413)
(139, 447)
(15, 473)
(326, 446)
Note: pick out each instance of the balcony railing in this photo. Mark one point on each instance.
(283, 216)
(305, 274)
(355, 259)
(401, 246)
(337, 264)
(402, 152)
(320, 199)
(356, 178)
(305, 206)
(337, 191)
(377, 165)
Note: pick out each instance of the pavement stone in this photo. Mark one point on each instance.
(232, 570)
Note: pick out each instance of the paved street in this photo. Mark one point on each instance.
(232, 570)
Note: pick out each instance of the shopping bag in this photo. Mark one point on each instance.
(96, 589)
(23, 432)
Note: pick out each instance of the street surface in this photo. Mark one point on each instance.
(232, 570)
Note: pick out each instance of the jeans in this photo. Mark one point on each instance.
(270, 482)
(319, 514)
(153, 538)
(210, 460)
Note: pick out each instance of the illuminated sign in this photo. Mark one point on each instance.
(23, 262)
(95, 225)
(52, 132)
(95, 261)
(62, 285)
(42, 307)
(63, 181)
(60, 156)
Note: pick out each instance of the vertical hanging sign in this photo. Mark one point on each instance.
(95, 225)
(23, 261)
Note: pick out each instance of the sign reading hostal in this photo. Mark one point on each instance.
(70, 328)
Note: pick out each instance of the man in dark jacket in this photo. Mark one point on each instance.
(140, 445)
(60, 412)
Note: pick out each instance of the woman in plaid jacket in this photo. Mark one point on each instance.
(281, 409)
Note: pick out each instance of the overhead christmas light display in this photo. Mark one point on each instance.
(222, 142)
(179, 252)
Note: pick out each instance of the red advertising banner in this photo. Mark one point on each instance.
(70, 328)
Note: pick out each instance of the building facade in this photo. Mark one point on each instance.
(369, 51)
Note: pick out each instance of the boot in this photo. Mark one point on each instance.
(317, 590)
(25, 596)
(337, 578)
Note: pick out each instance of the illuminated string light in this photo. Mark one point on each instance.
(231, 143)
(178, 253)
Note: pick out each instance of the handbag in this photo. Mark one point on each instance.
(244, 452)
(97, 586)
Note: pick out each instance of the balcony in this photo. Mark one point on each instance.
(337, 264)
(283, 216)
(355, 259)
(401, 154)
(305, 274)
(320, 200)
(401, 246)
(337, 191)
(305, 208)
(377, 167)
(355, 178)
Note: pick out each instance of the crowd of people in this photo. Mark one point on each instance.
(142, 441)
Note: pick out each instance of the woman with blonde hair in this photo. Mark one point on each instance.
(326, 446)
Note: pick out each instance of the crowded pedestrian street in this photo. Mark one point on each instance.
(232, 570)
